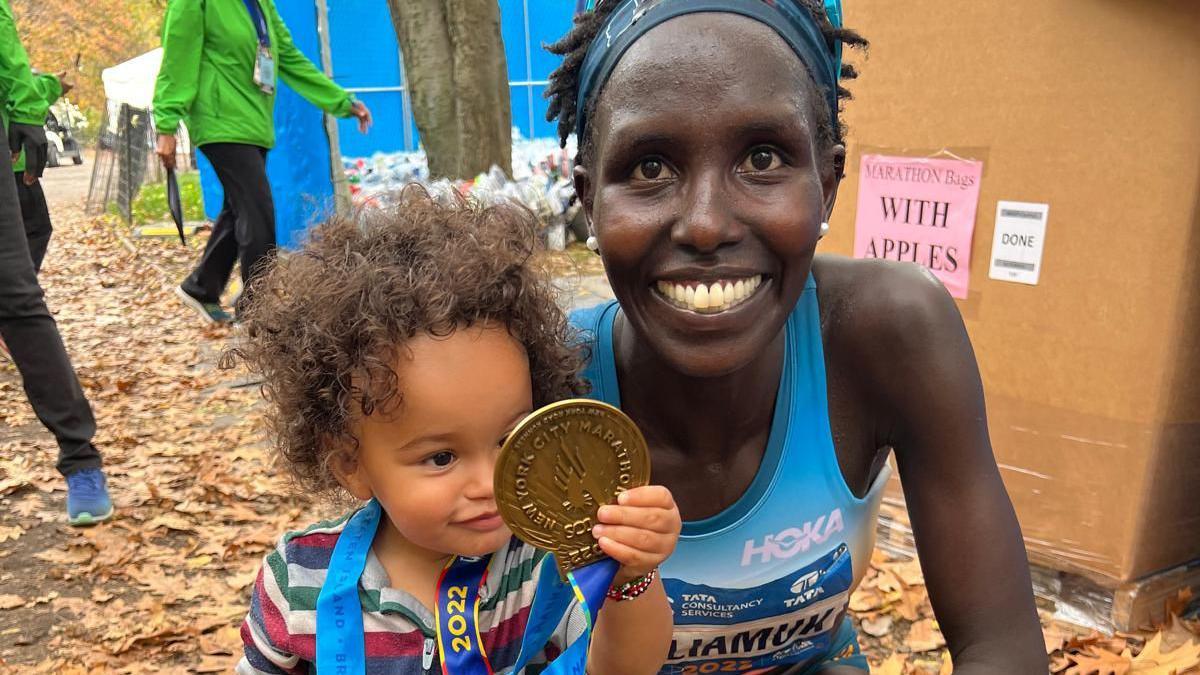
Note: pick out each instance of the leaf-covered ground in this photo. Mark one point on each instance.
(163, 587)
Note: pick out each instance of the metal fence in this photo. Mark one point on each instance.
(125, 161)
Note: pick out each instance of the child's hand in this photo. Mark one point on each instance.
(639, 531)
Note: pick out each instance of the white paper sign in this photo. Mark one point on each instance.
(1018, 241)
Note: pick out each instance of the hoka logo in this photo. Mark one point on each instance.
(788, 542)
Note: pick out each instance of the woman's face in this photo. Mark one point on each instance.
(706, 188)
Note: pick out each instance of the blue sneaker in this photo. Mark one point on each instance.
(211, 312)
(87, 498)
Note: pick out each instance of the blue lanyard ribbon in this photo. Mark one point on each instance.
(459, 641)
(260, 23)
(341, 646)
(551, 601)
(341, 641)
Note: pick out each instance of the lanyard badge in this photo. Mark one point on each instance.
(264, 70)
(264, 63)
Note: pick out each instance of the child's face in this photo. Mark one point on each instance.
(430, 462)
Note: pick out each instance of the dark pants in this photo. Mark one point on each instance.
(245, 229)
(37, 348)
(36, 215)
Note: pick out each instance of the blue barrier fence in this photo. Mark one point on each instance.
(366, 59)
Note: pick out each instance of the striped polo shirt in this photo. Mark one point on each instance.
(279, 633)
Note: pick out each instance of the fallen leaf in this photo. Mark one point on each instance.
(27, 507)
(909, 573)
(1152, 660)
(878, 626)
(924, 636)
(1177, 606)
(10, 601)
(1055, 636)
(213, 664)
(865, 600)
(76, 555)
(239, 581)
(1084, 642)
(10, 533)
(886, 581)
(1176, 633)
(893, 666)
(911, 604)
(171, 521)
(1099, 663)
(212, 646)
(199, 561)
(42, 600)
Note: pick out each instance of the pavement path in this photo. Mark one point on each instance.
(66, 186)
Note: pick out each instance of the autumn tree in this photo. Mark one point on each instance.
(103, 33)
(458, 81)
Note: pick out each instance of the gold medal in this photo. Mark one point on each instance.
(559, 466)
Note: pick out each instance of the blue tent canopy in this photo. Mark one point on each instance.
(367, 60)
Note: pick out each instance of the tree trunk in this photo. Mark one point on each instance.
(458, 82)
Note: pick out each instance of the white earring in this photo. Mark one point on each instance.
(593, 243)
(824, 231)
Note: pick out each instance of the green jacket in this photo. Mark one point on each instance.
(50, 89)
(20, 100)
(207, 74)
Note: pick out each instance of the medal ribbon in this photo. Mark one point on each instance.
(341, 642)
(341, 646)
(551, 601)
(459, 641)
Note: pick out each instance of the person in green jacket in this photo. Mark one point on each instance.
(34, 210)
(218, 75)
(26, 325)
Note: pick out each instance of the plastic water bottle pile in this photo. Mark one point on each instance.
(541, 181)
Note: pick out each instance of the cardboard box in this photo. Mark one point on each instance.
(1077, 599)
(1092, 376)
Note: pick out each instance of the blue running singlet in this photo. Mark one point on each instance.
(766, 582)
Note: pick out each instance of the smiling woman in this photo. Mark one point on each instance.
(771, 383)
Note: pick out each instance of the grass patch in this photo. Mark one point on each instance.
(150, 206)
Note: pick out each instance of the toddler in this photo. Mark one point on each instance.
(398, 349)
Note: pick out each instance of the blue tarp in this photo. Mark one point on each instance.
(366, 59)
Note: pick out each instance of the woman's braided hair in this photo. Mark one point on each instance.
(564, 81)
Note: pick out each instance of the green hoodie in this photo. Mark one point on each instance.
(20, 100)
(207, 74)
(49, 88)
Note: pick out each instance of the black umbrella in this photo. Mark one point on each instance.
(175, 203)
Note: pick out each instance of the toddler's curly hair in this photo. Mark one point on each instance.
(326, 324)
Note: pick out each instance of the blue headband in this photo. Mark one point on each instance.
(634, 18)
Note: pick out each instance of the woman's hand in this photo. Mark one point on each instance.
(166, 150)
(363, 114)
(65, 81)
(640, 531)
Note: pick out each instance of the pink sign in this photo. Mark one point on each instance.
(919, 210)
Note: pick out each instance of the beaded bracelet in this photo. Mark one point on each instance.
(632, 588)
